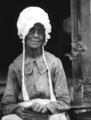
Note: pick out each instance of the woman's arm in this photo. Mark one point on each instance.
(9, 99)
(60, 89)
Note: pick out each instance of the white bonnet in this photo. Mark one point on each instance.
(28, 17)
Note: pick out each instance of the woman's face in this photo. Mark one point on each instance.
(36, 36)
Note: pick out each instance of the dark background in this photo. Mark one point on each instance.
(10, 44)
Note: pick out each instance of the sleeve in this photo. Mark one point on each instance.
(9, 99)
(60, 89)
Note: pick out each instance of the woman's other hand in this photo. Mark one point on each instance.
(39, 108)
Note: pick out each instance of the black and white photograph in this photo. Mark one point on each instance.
(45, 63)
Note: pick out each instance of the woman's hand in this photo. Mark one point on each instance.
(19, 110)
(39, 108)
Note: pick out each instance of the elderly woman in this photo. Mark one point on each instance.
(36, 80)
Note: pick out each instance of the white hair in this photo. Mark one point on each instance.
(28, 17)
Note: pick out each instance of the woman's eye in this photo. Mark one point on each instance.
(32, 31)
(41, 31)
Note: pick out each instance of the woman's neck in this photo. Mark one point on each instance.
(33, 53)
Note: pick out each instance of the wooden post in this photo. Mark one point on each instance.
(76, 54)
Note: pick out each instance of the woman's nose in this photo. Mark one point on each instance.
(36, 33)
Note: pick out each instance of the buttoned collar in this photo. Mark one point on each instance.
(39, 62)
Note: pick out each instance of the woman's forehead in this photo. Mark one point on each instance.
(38, 26)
